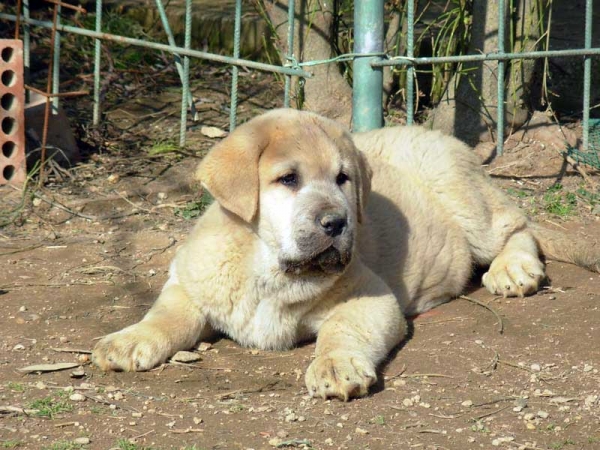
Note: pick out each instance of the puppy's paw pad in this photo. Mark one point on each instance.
(340, 374)
(135, 348)
(514, 274)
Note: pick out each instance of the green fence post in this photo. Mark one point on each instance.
(367, 108)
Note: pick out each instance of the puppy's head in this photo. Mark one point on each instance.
(299, 180)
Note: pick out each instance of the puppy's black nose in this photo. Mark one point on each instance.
(333, 223)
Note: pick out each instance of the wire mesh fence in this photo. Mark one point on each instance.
(369, 59)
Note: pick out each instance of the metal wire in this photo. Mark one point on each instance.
(290, 51)
(171, 39)
(185, 82)
(587, 76)
(234, 70)
(97, 62)
(410, 72)
(56, 66)
(500, 108)
(167, 48)
(26, 46)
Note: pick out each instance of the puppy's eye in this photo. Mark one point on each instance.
(289, 180)
(341, 178)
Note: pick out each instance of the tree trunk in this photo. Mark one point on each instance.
(328, 92)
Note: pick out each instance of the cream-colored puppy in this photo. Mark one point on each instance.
(310, 237)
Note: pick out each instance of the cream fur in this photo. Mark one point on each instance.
(431, 216)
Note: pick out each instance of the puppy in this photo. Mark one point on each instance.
(311, 237)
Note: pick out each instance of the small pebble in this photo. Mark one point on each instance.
(81, 441)
(63, 339)
(22, 309)
(536, 367)
(185, 357)
(204, 346)
(291, 417)
(530, 426)
(467, 403)
(77, 373)
(543, 414)
(77, 397)
(529, 416)
(139, 414)
(361, 431)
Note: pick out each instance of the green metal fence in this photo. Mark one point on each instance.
(368, 59)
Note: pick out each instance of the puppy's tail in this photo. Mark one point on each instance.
(559, 246)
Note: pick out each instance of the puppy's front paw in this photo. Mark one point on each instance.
(135, 348)
(340, 374)
(514, 274)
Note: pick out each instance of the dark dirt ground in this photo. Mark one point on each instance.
(88, 253)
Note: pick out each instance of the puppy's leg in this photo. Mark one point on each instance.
(517, 270)
(173, 323)
(354, 339)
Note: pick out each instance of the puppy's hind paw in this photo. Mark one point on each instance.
(515, 274)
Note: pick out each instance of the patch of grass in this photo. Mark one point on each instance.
(558, 202)
(17, 387)
(12, 443)
(196, 208)
(49, 407)
(124, 444)
(378, 420)
(161, 147)
(561, 445)
(589, 197)
(64, 445)
(237, 408)
(520, 193)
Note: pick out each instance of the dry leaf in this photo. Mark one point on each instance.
(48, 367)
(213, 132)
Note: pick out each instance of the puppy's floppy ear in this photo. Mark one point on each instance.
(230, 170)
(363, 184)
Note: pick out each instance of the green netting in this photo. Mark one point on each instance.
(591, 157)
